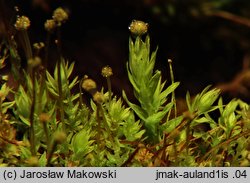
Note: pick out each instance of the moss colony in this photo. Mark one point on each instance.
(44, 123)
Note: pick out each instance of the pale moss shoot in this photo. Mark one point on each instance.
(22, 23)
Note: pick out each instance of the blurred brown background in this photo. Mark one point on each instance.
(206, 39)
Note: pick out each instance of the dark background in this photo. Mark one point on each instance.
(205, 48)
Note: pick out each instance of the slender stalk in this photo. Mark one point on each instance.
(232, 17)
(58, 42)
(109, 89)
(32, 112)
(27, 46)
(29, 55)
(60, 99)
(47, 50)
(107, 72)
(188, 136)
(81, 93)
(59, 137)
(51, 152)
(104, 119)
(45, 129)
(98, 119)
(41, 91)
(172, 94)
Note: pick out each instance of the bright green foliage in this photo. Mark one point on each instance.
(197, 139)
(7, 131)
(114, 124)
(23, 100)
(222, 144)
(100, 137)
(148, 87)
(5, 105)
(81, 144)
(52, 83)
(203, 101)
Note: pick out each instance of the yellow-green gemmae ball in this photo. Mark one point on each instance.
(88, 84)
(60, 15)
(22, 23)
(138, 27)
(107, 71)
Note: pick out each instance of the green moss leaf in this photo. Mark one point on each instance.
(81, 144)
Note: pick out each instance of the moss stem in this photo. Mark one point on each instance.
(109, 89)
(32, 111)
(26, 44)
(51, 152)
(80, 90)
(59, 78)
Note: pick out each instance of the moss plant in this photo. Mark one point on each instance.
(46, 124)
(148, 86)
